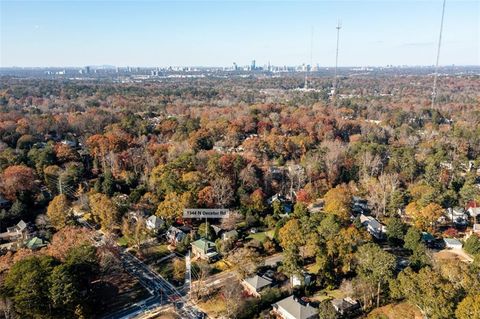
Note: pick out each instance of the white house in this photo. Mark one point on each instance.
(457, 215)
(154, 223)
(452, 243)
(303, 279)
(175, 235)
(473, 211)
(292, 308)
(345, 306)
(373, 226)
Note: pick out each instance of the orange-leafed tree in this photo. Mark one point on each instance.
(16, 179)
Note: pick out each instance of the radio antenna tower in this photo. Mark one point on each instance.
(339, 26)
(307, 71)
(435, 76)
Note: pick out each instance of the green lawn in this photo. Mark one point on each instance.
(328, 294)
(122, 241)
(262, 235)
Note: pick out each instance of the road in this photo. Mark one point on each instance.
(162, 292)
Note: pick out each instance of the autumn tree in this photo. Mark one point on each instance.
(135, 230)
(428, 290)
(468, 308)
(66, 239)
(424, 217)
(58, 211)
(103, 211)
(179, 269)
(15, 180)
(173, 205)
(338, 201)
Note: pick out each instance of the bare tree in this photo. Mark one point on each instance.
(245, 261)
(232, 294)
(333, 158)
(230, 222)
(222, 192)
(379, 190)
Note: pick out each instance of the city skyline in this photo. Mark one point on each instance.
(150, 34)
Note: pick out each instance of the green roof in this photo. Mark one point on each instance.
(427, 236)
(203, 244)
(35, 243)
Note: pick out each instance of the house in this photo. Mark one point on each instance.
(35, 243)
(19, 231)
(230, 235)
(373, 226)
(457, 215)
(359, 206)
(218, 230)
(317, 207)
(175, 235)
(292, 308)
(69, 143)
(345, 306)
(154, 223)
(286, 204)
(204, 249)
(255, 284)
(452, 243)
(473, 209)
(427, 238)
(302, 279)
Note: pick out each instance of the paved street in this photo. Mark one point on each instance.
(162, 292)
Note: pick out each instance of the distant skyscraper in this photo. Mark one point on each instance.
(253, 67)
(87, 70)
(235, 66)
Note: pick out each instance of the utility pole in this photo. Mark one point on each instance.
(188, 274)
(434, 91)
(60, 185)
(339, 26)
(307, 71)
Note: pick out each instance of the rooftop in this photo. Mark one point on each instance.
(258, 282)
(296, 309)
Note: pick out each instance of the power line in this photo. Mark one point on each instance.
(434, 91)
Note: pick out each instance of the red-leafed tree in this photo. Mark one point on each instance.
(16, 179)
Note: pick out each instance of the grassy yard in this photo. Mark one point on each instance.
(215, 306)
(262, 235)
(396, 311)
(122, 241)
(165, 269)
(328, 294)
(154, 252)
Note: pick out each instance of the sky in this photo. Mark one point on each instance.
(218, 33)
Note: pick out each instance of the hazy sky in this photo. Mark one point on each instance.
(218, 33)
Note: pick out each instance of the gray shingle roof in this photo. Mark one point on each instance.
(258, 282)
(296, 309)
